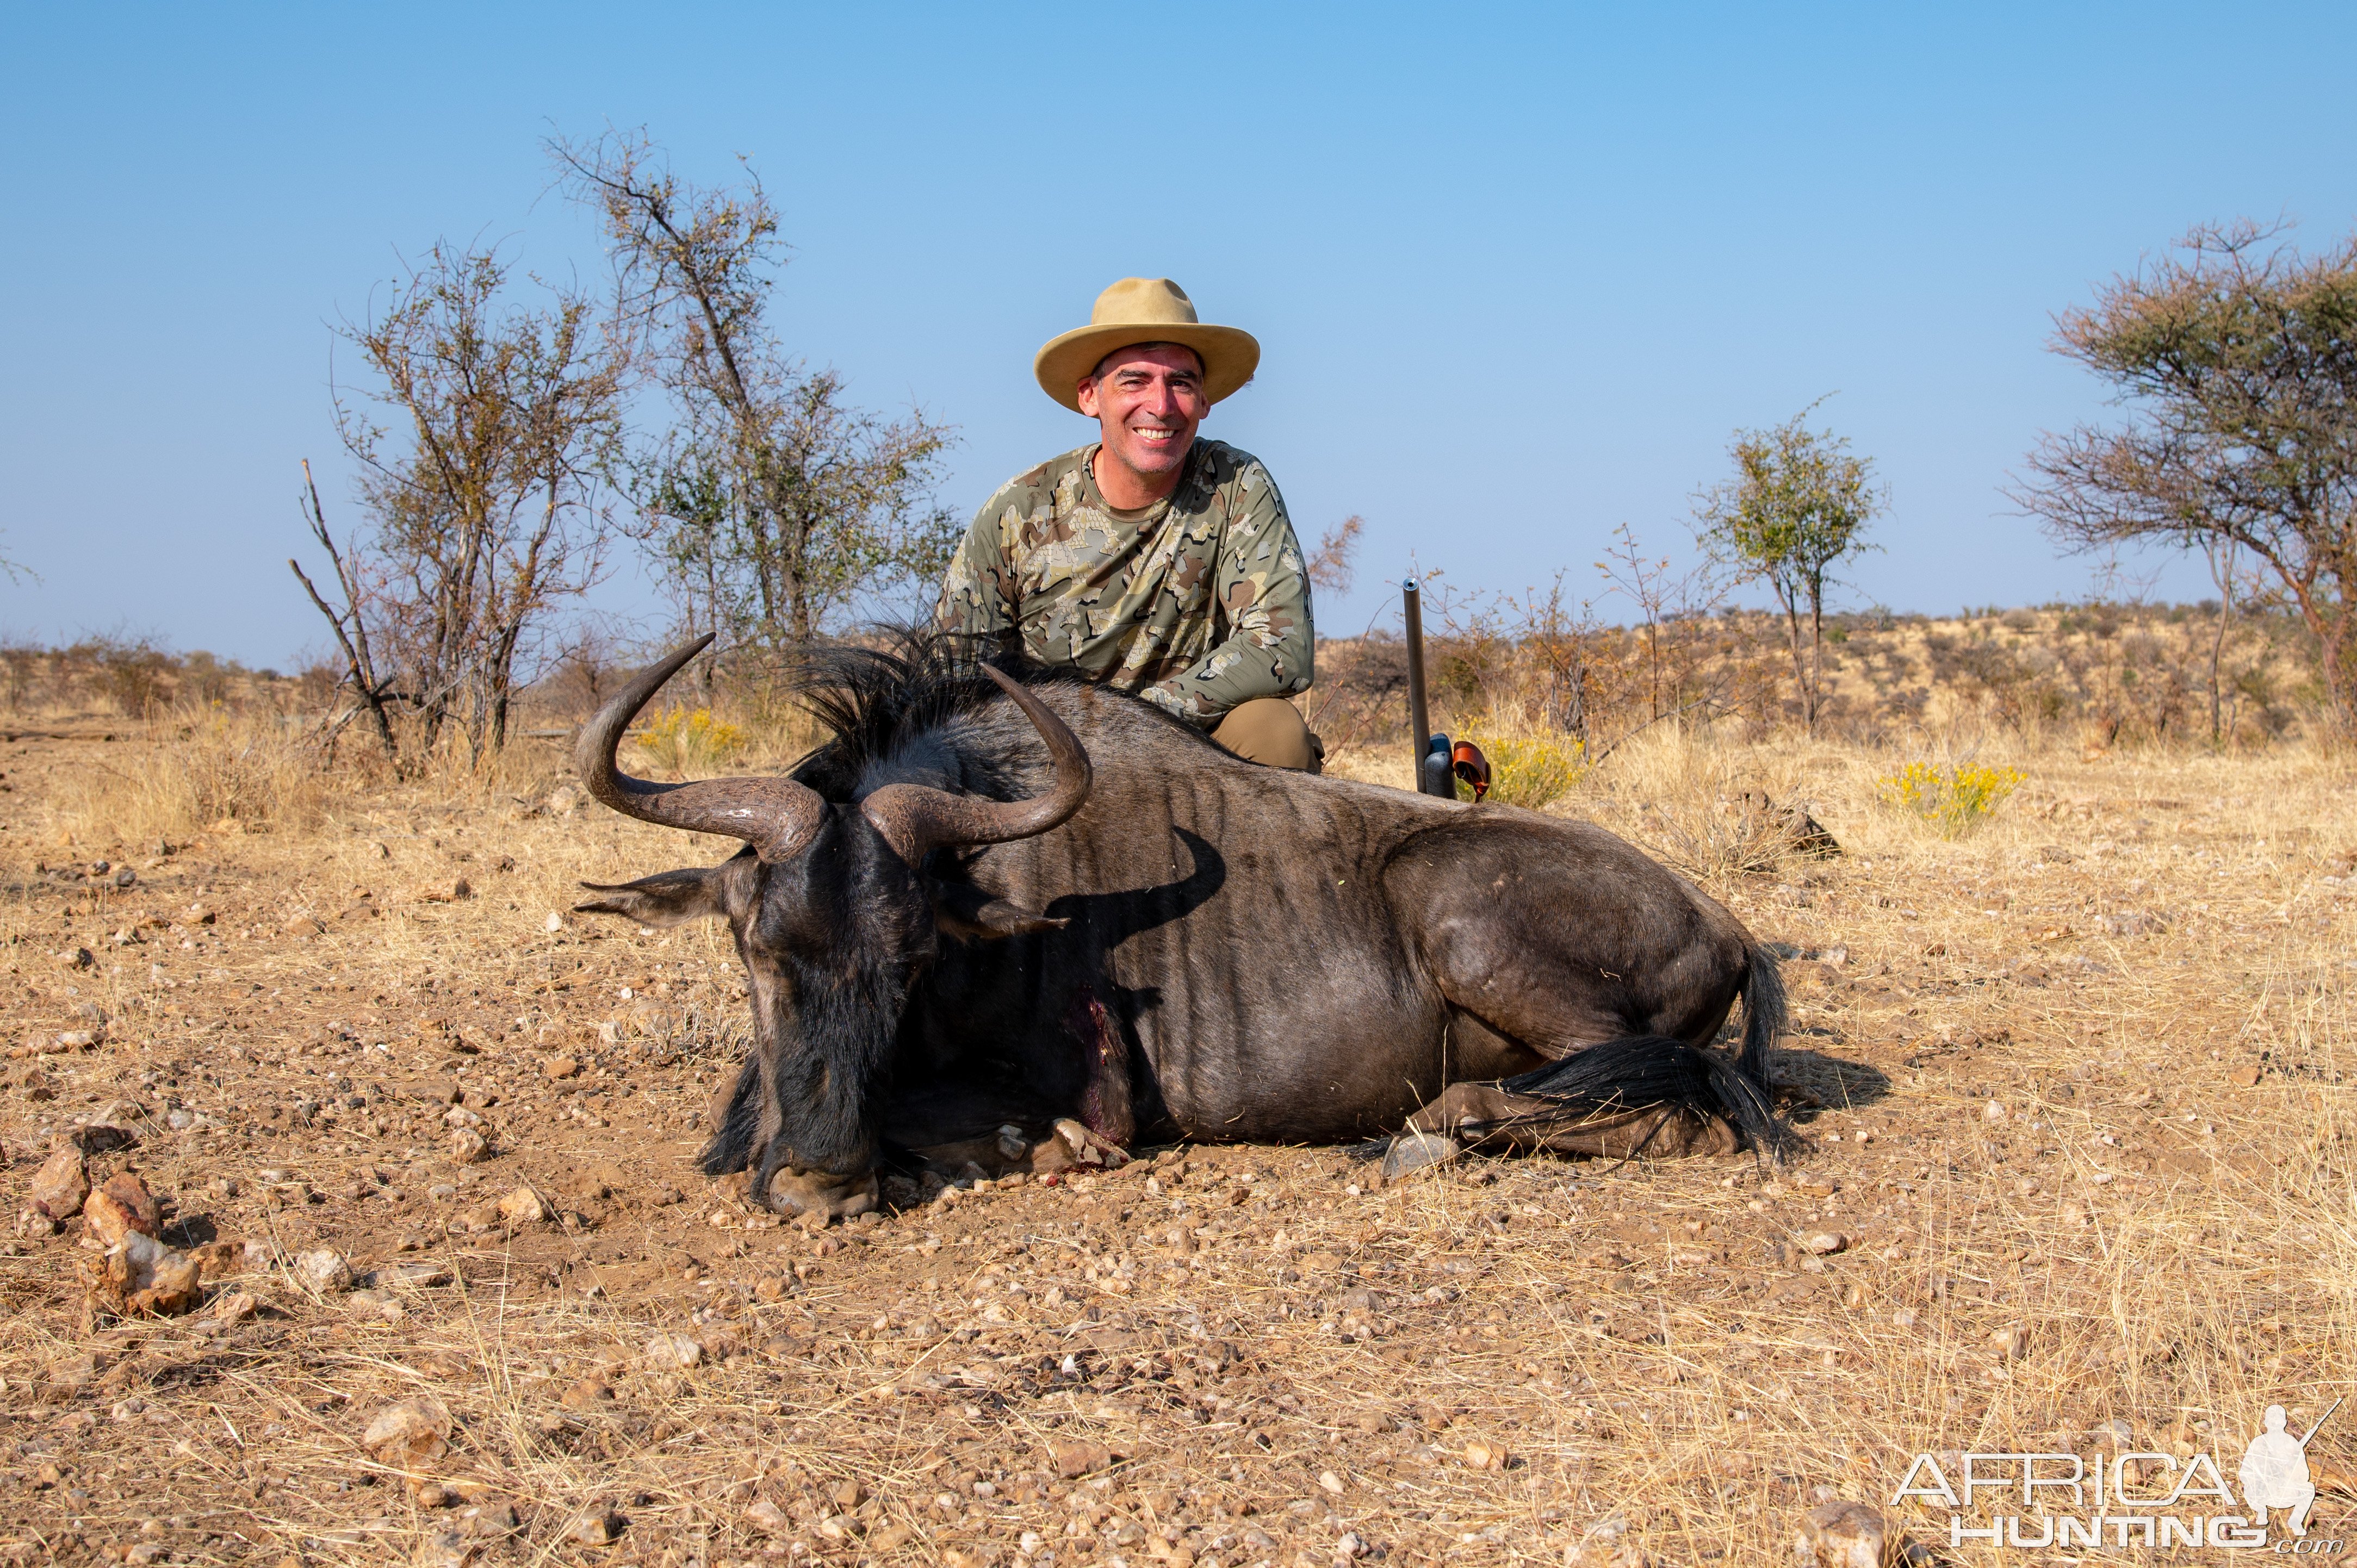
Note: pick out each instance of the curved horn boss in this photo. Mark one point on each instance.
(915, 819)
(776, 816)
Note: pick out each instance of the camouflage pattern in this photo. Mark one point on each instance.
(1196, 605)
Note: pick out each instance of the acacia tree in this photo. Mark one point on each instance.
(2237, 358)
(482, 488)
(769, 504)
(1798, 505)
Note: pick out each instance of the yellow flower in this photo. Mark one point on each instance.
(1956, 800)
(689, 741)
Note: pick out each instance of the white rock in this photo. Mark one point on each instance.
(667, 1350)
(1843, 1535)
(324, 1270)
(411, 1433)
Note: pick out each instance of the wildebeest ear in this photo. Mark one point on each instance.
(964, 910)
(666, 898)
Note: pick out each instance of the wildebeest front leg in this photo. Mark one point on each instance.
(823, 1194)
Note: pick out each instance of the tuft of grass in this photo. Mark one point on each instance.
(1956, 800)
(691, 741)
(1706, 807)
(212, 767)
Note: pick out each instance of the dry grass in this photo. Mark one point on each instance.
(1644, 1342)
(214, 769)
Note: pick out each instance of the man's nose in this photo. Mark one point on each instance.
(1164, 403)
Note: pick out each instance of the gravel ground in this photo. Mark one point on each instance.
(2079, 1155)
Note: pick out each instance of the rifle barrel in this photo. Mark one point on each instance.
(1419, 719)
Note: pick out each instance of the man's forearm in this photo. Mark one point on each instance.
(1261, 661)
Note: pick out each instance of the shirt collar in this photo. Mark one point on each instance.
(1190, 479)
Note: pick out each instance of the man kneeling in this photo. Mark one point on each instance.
(1151, 560)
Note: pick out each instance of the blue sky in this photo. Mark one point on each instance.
(1517, 272)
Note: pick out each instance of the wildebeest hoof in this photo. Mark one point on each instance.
(821, 1195)
(1082, 1146)
(1413, 1151)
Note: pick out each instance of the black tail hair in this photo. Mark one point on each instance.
(1640, 1071)
(1763, 1014)
(734, 1130)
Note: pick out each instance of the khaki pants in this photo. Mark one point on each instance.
(1269, 730)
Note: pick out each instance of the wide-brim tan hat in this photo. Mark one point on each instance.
(1145, 310)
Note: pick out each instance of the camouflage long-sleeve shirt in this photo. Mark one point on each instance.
(1196, 603)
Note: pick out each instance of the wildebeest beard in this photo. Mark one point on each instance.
(827, 1059)
(830, 983)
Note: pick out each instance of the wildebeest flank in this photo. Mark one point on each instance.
(997, 900)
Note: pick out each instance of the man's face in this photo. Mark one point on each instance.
(1148, 400)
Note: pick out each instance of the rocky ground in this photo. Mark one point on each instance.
(420, 1139)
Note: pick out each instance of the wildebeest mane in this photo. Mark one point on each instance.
(876, 691)
(881, 691)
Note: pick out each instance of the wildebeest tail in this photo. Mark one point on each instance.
(736, 1123)
(1643, 1072)
(1763, 1014)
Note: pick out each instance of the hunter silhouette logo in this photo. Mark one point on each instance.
(2128, 1498)
(2275, 1471)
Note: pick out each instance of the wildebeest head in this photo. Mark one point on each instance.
(833, 911)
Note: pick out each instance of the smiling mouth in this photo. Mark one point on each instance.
(1151, 433)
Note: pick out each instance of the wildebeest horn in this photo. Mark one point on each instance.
(914, 819)
(776, 816)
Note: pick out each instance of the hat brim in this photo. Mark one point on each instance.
(1230, 355)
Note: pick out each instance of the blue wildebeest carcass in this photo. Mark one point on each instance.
(1000, 900)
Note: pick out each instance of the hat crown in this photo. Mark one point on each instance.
(1142, 302)
(1144, 310)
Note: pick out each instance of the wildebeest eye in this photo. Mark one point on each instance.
(964, 910)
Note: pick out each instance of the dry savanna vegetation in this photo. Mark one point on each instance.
(434, 1280)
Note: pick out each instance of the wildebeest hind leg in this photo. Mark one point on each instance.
(1493, 1116)
(1496, 1117)
(1618, 1099)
